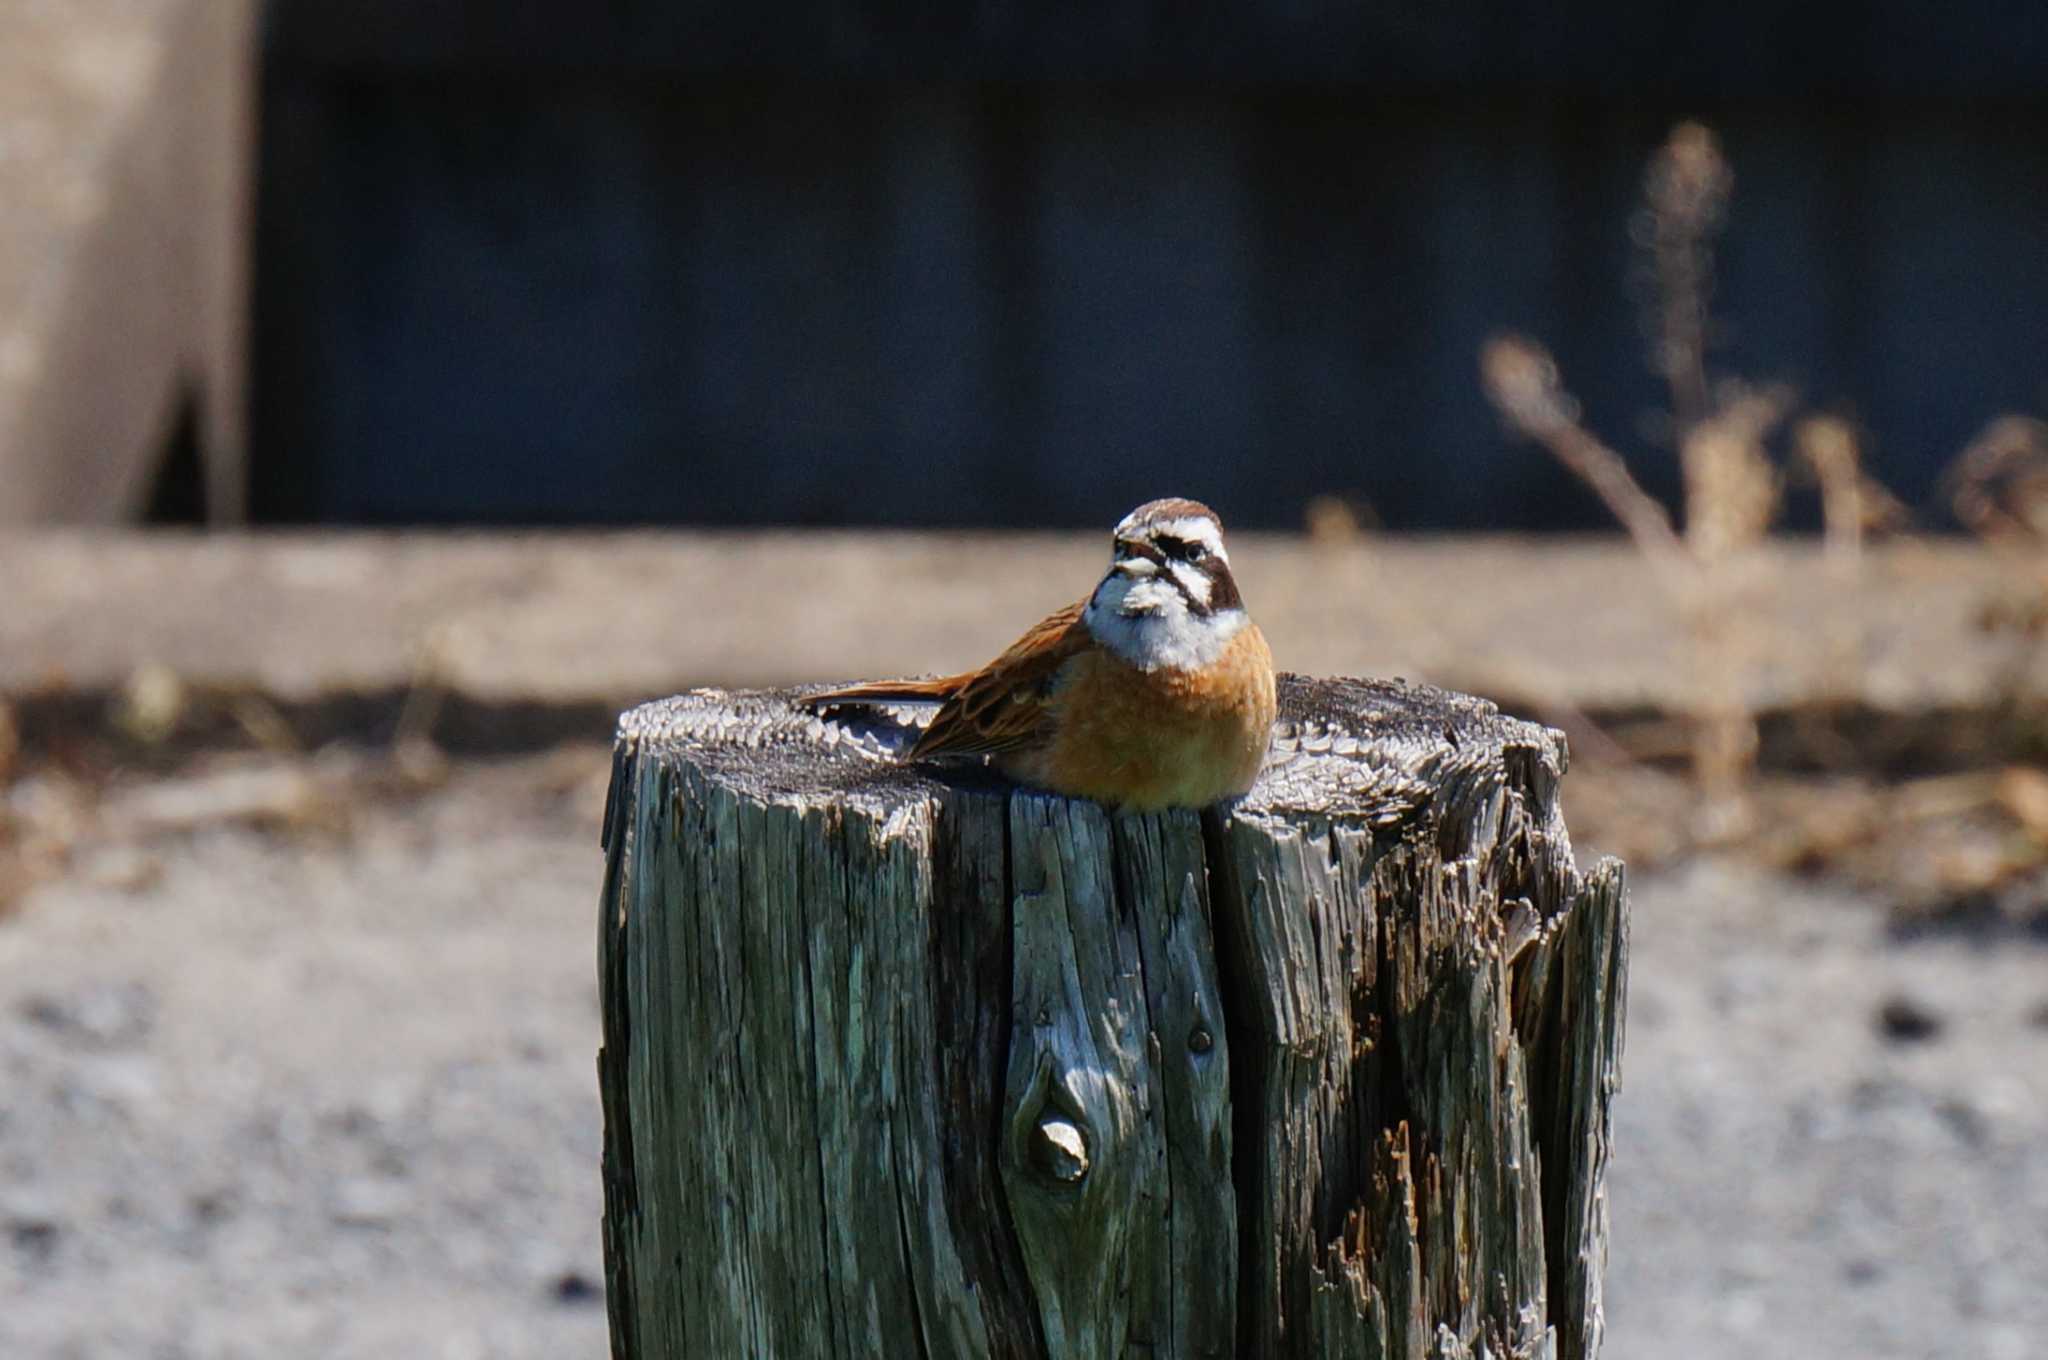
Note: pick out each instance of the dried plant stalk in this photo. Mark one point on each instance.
(1999, 484)
(1851, 506)
(1731, 488)
(1999, 489)
(1828, 445)
(1522, 382)
(1685, 201)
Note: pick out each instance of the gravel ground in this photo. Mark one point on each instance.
(308, 1095)
(1830, 1142)
(329, 1092)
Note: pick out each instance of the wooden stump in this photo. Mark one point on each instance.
(901, 1067)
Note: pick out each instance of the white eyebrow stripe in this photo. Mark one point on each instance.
(1195, 529)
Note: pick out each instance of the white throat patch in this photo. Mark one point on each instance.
(1145, 620)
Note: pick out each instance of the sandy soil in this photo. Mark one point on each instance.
(328, 1091)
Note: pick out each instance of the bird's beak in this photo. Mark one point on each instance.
(1138, 567)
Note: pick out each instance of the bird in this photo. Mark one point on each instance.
(1155, 691)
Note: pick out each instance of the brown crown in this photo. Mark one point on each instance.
(1175, 507)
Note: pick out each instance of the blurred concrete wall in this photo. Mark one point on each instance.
(125, 137)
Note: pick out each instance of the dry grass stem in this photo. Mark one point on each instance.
(152, 705)
(1998, 487)
(1731, 486)
(1852, 507)
(1852, 504)
(1999, 484)
(1338, 521)
(1828, 446)
(265, 724)
(1522, 382)
(1685, 202)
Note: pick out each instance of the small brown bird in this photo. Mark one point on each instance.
(1154, 692)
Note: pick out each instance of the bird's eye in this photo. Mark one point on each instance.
(1196, 552)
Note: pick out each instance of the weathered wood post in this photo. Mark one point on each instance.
(895, 1067)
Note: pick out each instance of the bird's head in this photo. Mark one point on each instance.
(1168, 600)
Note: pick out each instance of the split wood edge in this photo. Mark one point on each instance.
(1001, 1028)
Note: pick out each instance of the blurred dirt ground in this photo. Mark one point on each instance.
(298, 1014)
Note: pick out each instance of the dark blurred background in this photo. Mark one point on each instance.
(540, 262)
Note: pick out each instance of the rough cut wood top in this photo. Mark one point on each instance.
(1367, 750)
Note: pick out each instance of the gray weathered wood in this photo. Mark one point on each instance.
(895, 1066)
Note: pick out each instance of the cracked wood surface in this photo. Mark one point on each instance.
(905, 1061)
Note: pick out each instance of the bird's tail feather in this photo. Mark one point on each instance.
(887, 692)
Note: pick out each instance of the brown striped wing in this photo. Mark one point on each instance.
(1005, 705)
(887, 692)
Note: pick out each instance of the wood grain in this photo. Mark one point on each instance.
(901, 1060)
